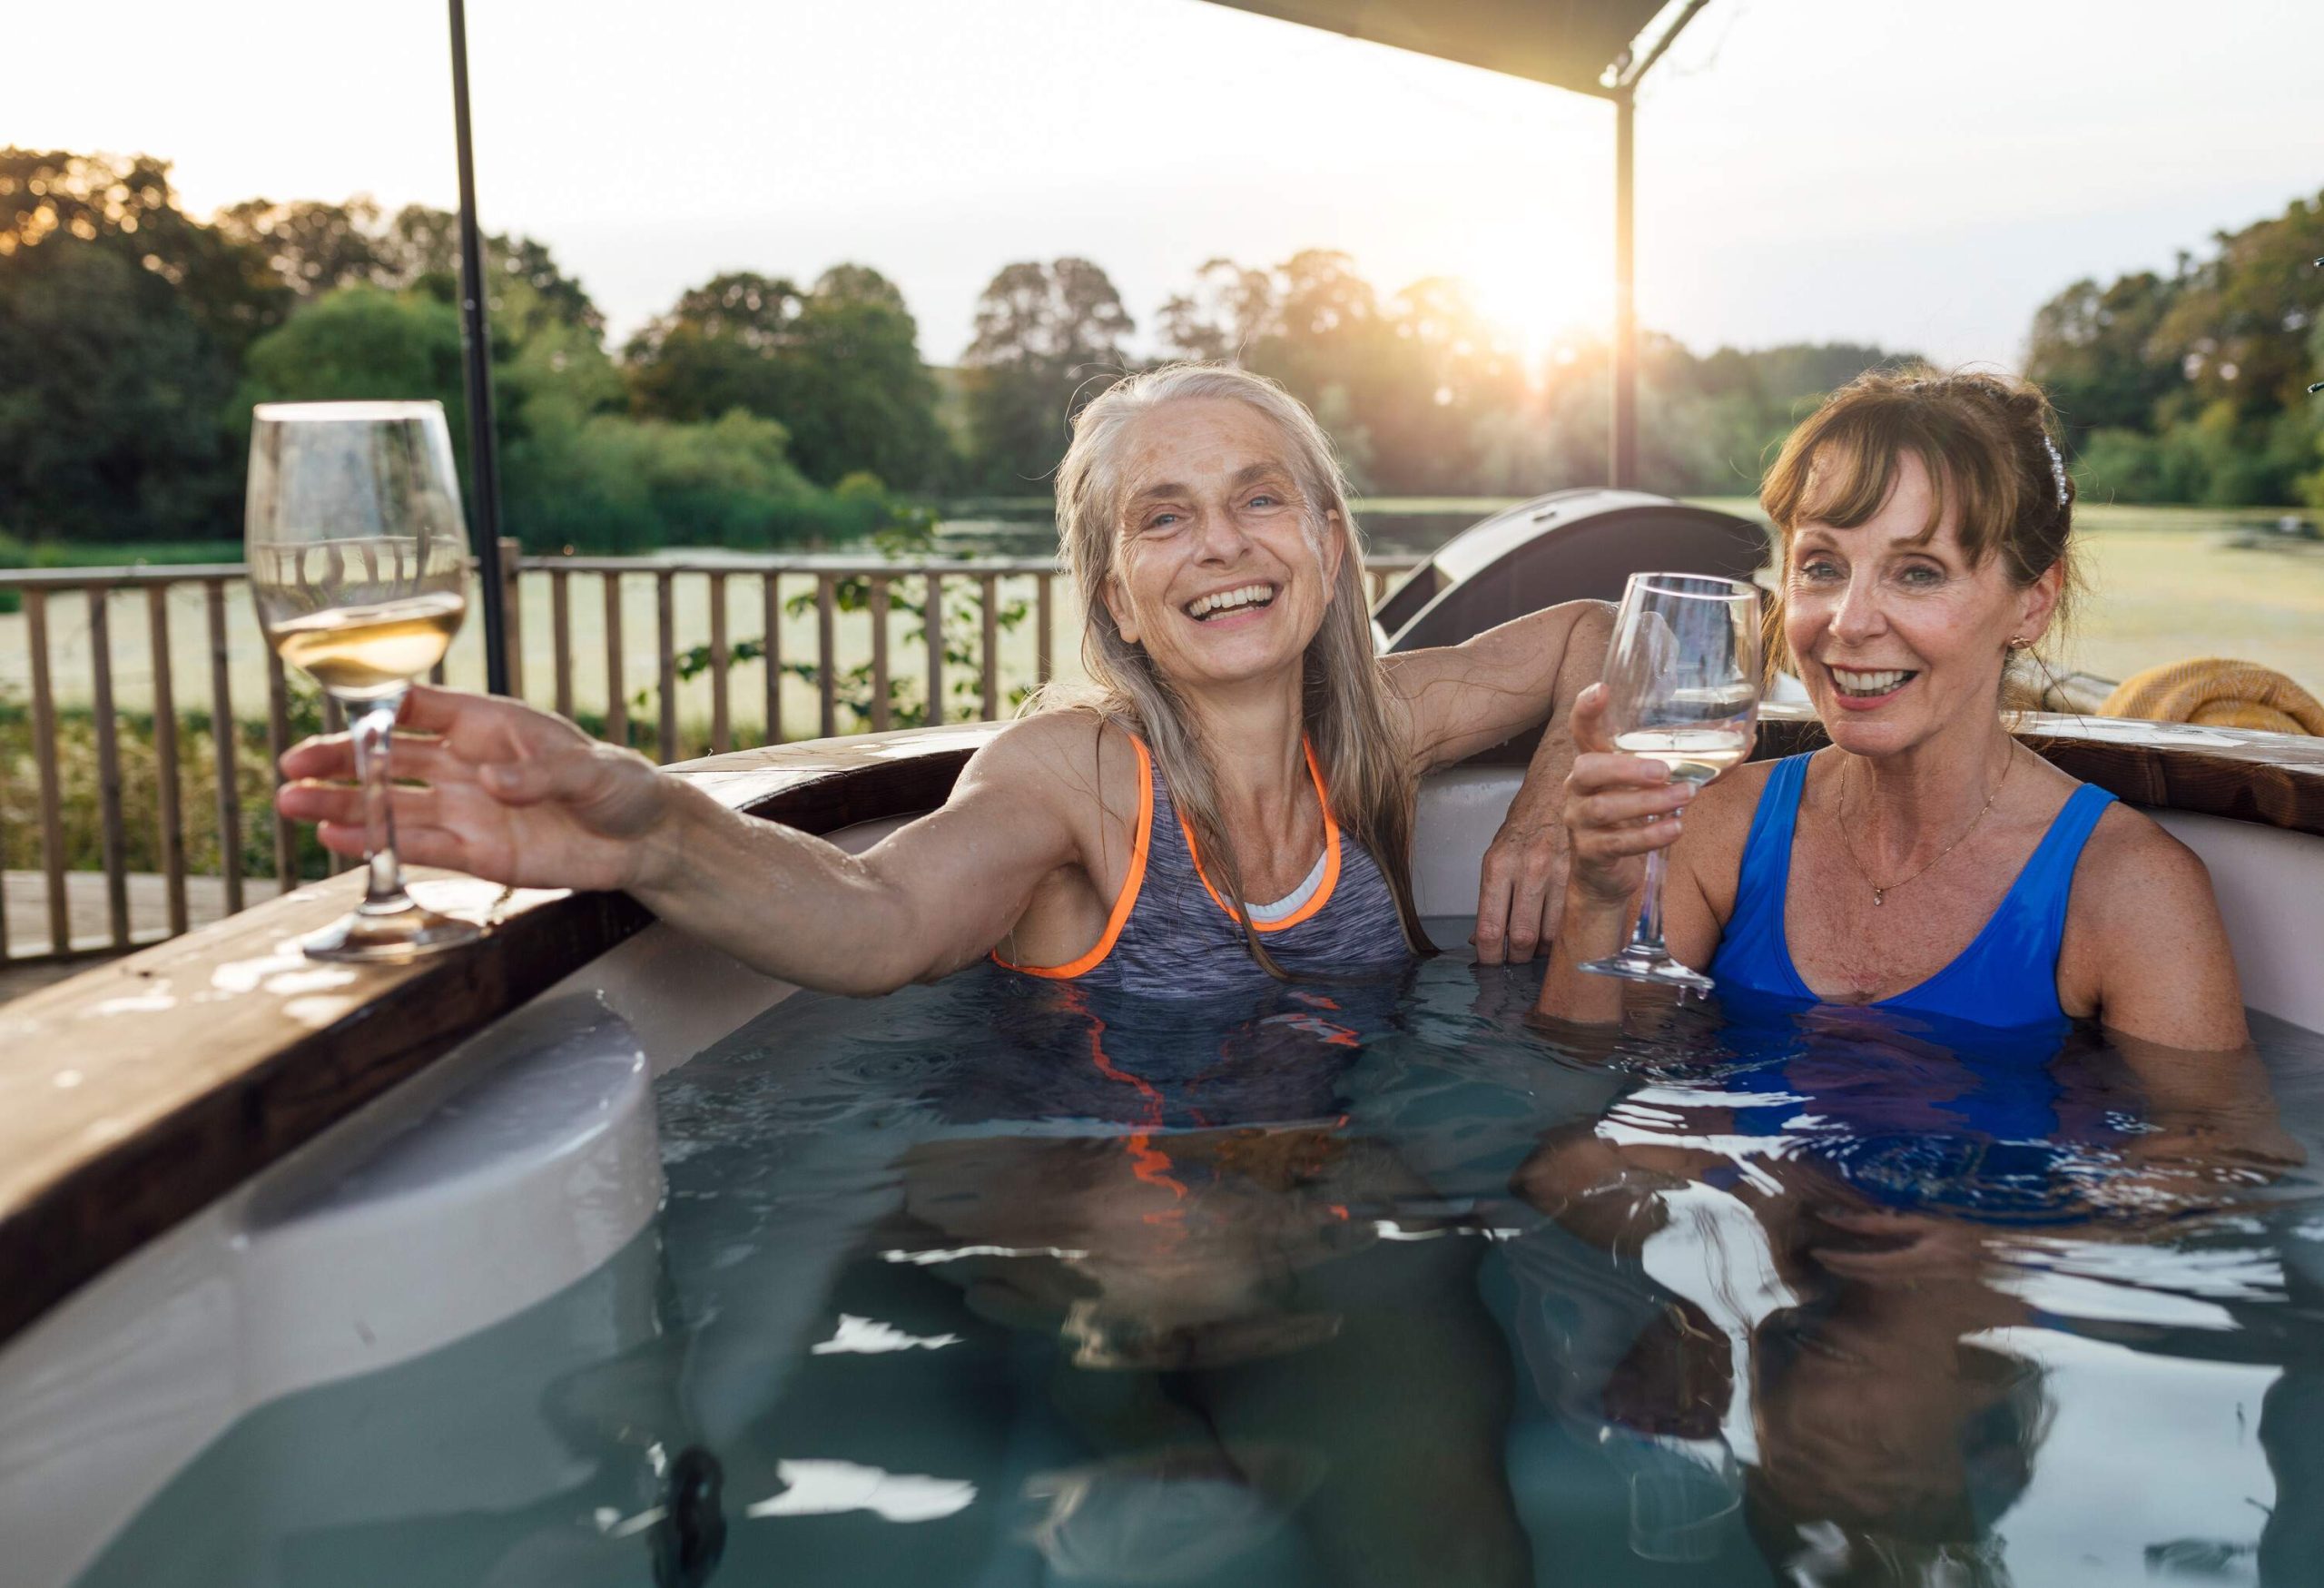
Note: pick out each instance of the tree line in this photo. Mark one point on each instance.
(2192, 387)
(765, 411)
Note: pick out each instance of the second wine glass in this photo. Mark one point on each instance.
(1682, 683)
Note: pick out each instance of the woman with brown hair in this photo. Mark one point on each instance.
(1926, 863)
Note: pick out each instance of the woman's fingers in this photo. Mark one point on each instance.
(417, 844)
(342, 803)
(1612, 769)
(1628, 805)
(332, 756)
(1612, 843)
(1589, 720)
(575, 775)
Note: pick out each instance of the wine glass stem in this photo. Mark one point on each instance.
(372, 730)
(1646, 937)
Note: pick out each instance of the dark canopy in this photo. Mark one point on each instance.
(1567, 43)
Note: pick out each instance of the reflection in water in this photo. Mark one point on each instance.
(994, 1284)
(1836, 1208)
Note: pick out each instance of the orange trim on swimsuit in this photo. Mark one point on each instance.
(1331, 860)
(1132, 881)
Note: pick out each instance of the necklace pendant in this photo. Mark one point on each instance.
(1880, 895)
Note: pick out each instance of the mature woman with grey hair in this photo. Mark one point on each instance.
(1230, 800)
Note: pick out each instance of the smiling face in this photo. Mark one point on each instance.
(1896, 634)
(1223, 569)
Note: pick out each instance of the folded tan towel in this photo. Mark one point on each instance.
(2216, 694)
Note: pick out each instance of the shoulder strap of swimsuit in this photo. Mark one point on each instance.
(1766, 851)
(2045, 885)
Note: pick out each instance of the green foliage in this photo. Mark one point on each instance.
(576, 469)
(1050, 337)
(107, 419)
(143, 337)
(907, 535)
(2192, 388)
(80, 800)
(837, 365)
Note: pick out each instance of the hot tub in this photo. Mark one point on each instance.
(319, 1274)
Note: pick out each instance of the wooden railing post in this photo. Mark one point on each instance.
(616, 692)
(989, 657)
(934, 629)
(45, 756)
(278, 739)
(512, 607)
(560, 624)
(771, 599)
(1044, 628)
(225, 746)
(721, 731)
(170, 825)
(878, 605)
(826, 600)
(664, 626)
(108, 726)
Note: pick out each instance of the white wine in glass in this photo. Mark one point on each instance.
(1682, 688)
(358, 561)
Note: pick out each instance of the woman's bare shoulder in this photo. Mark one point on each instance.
(1078, 760)
(2130, 867)
(2145, 949)
(1730, 803)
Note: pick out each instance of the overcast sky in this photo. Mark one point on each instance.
(1919, 175)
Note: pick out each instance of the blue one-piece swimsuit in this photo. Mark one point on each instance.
(1940, 1098)
(2008, 975)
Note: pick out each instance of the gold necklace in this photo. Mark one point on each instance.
(1880, 892)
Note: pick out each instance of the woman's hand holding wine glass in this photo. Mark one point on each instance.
(1679, 703)
(1609, 795)
(510, 793)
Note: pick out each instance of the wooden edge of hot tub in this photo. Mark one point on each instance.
(137, 1093)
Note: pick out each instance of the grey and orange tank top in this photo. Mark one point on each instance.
(1171, 934)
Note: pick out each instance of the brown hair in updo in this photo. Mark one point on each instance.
(1987, 441)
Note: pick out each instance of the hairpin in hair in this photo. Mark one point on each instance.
(2057, 466)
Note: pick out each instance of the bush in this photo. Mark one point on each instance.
(82, 807)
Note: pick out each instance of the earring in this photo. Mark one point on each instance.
(2015, 644)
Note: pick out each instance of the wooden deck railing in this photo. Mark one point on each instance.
(100, 852)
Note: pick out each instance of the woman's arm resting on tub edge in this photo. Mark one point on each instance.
(1467, 697)
(519, 796)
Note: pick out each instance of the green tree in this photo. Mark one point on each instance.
(2095, 351)
(311, 246)
(121, 320)
(128, 207)
(837, 365)
(1050, 337)
(421, 248)
(109, 409)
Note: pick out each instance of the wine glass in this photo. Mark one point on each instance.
(358, 562)
(1683, 685)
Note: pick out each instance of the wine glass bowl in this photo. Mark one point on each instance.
(357, 555)
(1682, 688)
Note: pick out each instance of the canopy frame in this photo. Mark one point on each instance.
(1619, 83)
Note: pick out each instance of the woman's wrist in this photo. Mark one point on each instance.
(664, 854)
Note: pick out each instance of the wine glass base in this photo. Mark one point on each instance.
(1636, 964)
(390, 937)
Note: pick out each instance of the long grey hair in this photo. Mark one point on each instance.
(1369, 776)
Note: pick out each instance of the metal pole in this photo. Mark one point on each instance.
(484, 466)
(1622, 442)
